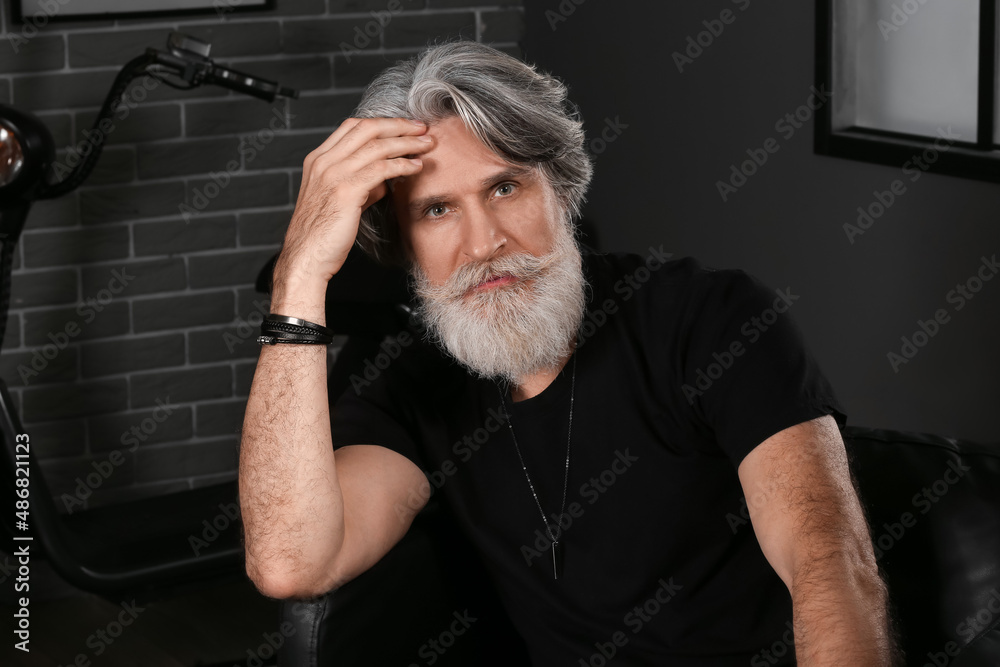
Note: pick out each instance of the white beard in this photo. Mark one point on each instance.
(511, 331)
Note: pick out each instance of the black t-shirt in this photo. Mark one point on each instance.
(680, 373)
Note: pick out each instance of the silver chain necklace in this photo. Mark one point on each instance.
(554, 537)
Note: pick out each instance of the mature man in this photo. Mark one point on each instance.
(606, 415)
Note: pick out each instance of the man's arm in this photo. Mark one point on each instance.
(314, 519)
(812, 530)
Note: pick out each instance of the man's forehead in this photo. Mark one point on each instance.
(457, 162)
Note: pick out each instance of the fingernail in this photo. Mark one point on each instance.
(424, 137)
(417, 122)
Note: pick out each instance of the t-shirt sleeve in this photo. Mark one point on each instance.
(748, 374)
(370, 413)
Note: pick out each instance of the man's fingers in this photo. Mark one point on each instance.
(354, 133)
(367, 129)
(337, 135)
(391, 147)
(378, 173)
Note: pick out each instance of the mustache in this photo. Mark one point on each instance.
(523, 266)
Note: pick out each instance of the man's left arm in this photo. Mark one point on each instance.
(812, 530)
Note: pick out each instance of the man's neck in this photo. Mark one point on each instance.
(534, 384)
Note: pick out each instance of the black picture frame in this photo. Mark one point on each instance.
(979, 160)
(41, 12)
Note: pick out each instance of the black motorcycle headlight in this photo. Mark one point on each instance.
(26, 151)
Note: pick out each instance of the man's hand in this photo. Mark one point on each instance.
(340, 179)
(812, 530)
(314, 519)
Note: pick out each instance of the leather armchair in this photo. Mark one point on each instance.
(934, 509)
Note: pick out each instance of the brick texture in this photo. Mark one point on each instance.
(133, 309)
(176, 236)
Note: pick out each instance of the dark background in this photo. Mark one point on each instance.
(182, 331)
(179, 331)
(656, 184)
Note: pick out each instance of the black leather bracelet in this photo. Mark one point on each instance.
(284, 329)
(285, 320)
(265, 339)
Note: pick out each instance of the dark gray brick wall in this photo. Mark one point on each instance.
(133, 322)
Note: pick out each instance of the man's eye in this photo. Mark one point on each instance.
(437, 210)
(505, 190)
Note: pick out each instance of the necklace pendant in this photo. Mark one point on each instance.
(556, 560)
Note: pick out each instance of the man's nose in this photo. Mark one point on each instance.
(482, 233)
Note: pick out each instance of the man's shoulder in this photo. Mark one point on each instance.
(623, 275)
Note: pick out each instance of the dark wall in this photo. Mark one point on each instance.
(677, 133)
(131, 343)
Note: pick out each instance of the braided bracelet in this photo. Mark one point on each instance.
(283, 329)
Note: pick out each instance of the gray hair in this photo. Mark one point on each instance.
(522, 115)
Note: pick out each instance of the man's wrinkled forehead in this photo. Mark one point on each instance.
(458, 163)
